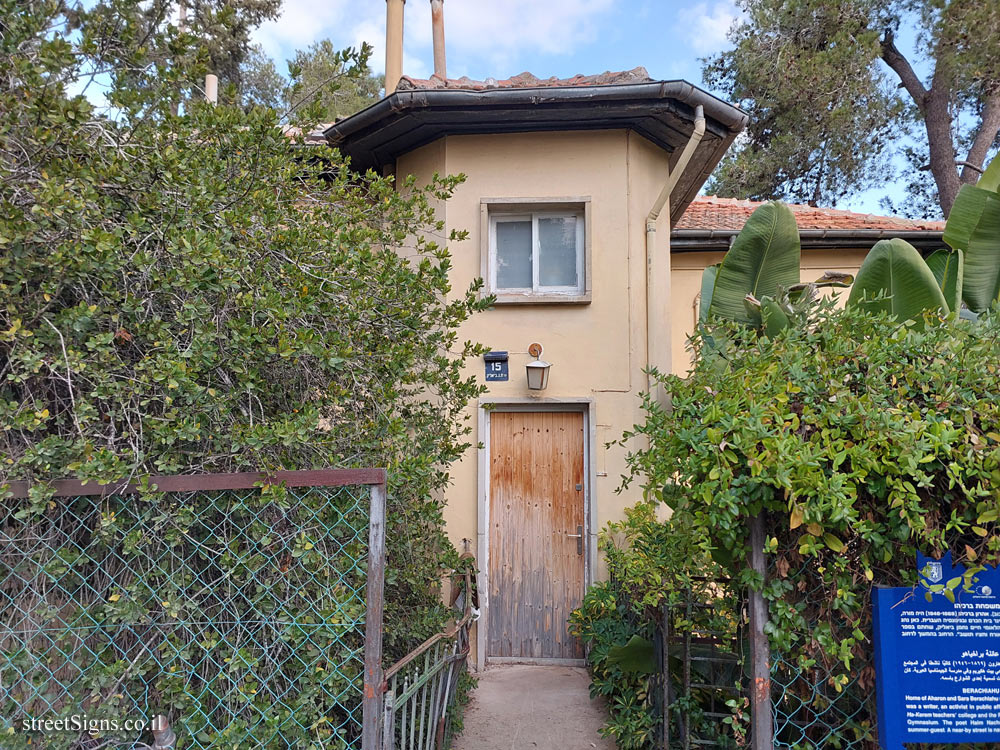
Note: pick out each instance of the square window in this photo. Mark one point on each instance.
(537, 254)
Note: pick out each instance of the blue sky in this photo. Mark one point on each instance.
(500, 38)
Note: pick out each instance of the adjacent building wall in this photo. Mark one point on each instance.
(686, 270)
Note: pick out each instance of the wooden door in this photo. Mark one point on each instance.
(536, 509)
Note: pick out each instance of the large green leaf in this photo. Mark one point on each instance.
(637, 656)
(707, 290)
(775, 319)
(990, 179)
(764, 259)
(895, 279)
(974, 226)
(948, 267)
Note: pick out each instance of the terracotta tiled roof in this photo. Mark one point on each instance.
(526, 81)
(313, 137)
(710, 212)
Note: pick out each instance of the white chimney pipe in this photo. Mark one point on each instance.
(437, 24)
(393, 44)
(212, 88)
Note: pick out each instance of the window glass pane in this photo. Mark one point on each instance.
(514, 254)
(557, 251)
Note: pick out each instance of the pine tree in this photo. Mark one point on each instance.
(832, 95)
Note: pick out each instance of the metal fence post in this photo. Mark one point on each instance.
(762, 728)
(665, 672)
(371, 707)
(389, 721)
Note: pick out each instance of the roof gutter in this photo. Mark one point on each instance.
(656, 298)
(726, 115)
(876, 234)
(696, 239)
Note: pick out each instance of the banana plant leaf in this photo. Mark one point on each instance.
(807, 290)
(948, 267)
(751, 305)
(637, 656)
(990, 179)
(895, 279)
(763, 260)
(974, 226)
(836, 279)
(774, 317)
(767, 314)
(707, 290)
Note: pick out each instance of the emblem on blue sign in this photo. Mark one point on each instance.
(937, 656)
(934, 573)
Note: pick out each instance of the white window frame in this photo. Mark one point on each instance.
(499, 210)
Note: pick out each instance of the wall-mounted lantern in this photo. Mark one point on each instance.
(537, 371)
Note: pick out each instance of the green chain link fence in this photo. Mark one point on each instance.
(814, 707)
(236, 611)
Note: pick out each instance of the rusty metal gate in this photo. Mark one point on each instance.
(245, 609)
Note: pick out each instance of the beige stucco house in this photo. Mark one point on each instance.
(575, 203)
(571, 187)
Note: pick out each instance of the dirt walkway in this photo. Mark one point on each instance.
(516, 707)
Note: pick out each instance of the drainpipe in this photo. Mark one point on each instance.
(393, 44)
(437, 25)
(655, 298)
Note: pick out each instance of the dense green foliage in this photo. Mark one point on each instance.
(835, 90)
(653, 567)
(860, 440)
(186, 290)
(603, 623)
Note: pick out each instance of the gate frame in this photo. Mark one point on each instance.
(374, 479)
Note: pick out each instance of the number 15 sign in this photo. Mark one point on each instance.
(496, 366)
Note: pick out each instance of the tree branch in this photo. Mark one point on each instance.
(989, 127)
(901, 66)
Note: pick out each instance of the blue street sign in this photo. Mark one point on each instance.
(937, 656)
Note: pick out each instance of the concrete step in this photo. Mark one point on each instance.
(527, 706)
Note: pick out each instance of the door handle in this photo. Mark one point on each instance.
(579, 539)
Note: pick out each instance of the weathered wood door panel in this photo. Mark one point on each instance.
(536, 507)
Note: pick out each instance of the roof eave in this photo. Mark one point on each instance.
(570, 107)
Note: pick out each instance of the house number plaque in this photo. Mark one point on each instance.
(496, 366)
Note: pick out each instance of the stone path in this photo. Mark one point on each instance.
(519, 706)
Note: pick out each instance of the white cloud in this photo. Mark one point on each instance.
(301, 23)
(708, 23)
(496, 32)
(483, 36)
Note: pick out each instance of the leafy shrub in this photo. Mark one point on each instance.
(603, 623)
(859, 440)
(185, 289)
(652, 570)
